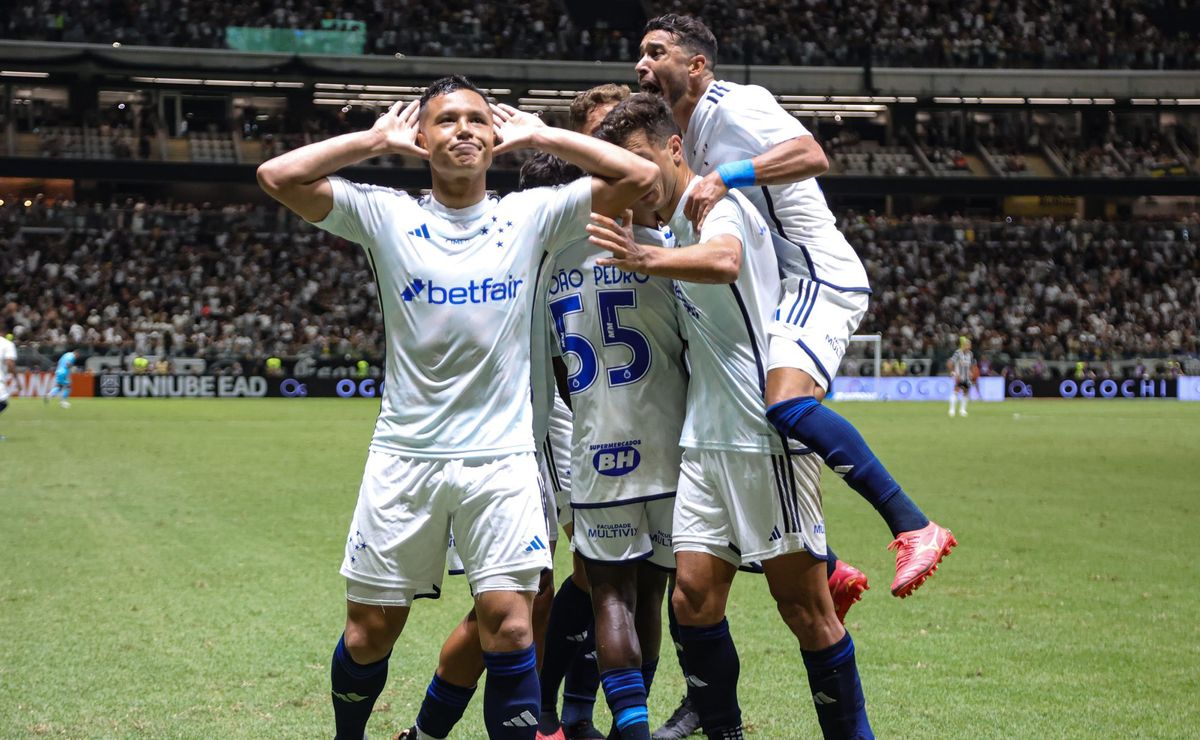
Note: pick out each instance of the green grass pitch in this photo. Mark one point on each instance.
(168, 569)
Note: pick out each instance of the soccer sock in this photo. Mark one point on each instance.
(831, 559)
(846, 452)
(962, 404)
(510, 695)
(626, 696)
(837, 691)
(66, 392)
(713, 667)
(569, 625)
(673, 628)
(442, 707)
(582, 683)
(953, 396)
(354, 689)
(648, 671)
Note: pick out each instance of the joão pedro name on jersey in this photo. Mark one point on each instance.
(487, 290)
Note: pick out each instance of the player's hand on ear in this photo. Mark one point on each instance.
(617, 238)
(399, 129)
(703, 197)
(514, 128)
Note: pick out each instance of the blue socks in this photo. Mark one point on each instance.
(581, 684)
(712, 676)
(511, 701)
(354, 690)
(442, 707)
(569, 626)
(648, 671)
(837, 691)
(626, 694)
(844, 450)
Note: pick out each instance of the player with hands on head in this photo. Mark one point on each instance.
(453, 446)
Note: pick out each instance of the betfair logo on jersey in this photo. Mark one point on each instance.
(484, 291)
(617, 458)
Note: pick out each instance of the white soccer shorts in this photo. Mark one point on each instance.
(396, 550)
(454, 563)
(812, 328)
(626, 532)
(749, 506)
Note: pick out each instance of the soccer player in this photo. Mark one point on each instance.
(738, 138)
(453, 446)
(743, 495)
(964, 371)
(8, 371)
(62, 380)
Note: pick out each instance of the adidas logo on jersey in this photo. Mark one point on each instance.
(524, 719)
(486, 291)
(421, 231)
(536, 544)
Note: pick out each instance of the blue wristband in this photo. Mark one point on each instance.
(739, 174)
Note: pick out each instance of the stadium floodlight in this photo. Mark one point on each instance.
(16, 73)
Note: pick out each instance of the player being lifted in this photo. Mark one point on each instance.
(738, 138)
(964, 373)
(453, 445)
(743, 496)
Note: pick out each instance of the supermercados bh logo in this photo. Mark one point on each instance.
(616, 458)
(488, 290)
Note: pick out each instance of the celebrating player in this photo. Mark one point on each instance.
(62, 380)
(743, 496)
(453, 445)
(964, 372)
(738, 138)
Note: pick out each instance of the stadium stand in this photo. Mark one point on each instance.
(236, 281)
(1089, 34)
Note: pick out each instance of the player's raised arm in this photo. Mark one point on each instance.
(298, 179)
(717, 260)
(620, 178)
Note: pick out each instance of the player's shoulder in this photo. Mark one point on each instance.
(732, 97)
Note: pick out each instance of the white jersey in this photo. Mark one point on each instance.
(734, 122)
(961, 363)
(456, 287)
(727, 335)
(618, 333)
(8, 351)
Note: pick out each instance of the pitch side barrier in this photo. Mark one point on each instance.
(932, 388)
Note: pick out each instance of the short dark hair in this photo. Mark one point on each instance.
(447, 85)
(642, 112)
(545, 170)
(585, 102)
(689, 32)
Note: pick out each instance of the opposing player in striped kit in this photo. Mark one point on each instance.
(963, 371)
(737, 137)
(744, 495)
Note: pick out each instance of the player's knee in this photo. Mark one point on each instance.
(368, 642)
(695, 603)
(810, 620)
(511, 632)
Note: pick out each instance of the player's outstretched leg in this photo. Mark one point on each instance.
(919, 543)
(359, 667)
(797, 584)
(702, 583)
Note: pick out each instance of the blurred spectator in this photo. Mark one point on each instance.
(1087, 34)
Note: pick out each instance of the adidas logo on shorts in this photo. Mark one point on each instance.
(536, 544)
(774, 535)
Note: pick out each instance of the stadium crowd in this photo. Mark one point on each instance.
(1088, 34)
(251, 281)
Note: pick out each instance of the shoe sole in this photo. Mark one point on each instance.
(907, 589)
